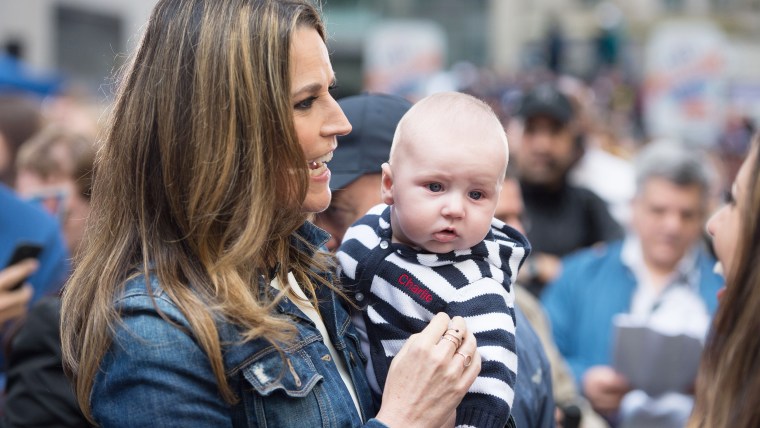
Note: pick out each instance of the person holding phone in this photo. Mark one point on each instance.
(25, 225)
(14, 300)
(37, 391)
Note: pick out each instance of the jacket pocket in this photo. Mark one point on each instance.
(293, 374)
(287, 392)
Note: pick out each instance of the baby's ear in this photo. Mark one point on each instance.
(386, 185)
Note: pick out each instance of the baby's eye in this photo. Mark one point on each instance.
(475, 195)
(435, 187)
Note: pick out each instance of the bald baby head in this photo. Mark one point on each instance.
(450, 121)
(446, 168)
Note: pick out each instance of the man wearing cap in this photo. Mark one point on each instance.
(562, 217)
(355, 182)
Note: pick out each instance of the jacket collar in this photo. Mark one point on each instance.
(311, 234)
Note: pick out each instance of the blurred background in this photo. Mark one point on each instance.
(636, 71)
(686, 69)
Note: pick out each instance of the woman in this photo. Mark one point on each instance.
(728, 384)
(200, 298)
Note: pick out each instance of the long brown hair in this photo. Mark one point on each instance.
(728, 385)
(200, 177)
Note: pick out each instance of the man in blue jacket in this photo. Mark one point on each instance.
(659, 273)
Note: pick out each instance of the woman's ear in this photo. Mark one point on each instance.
(386, 185)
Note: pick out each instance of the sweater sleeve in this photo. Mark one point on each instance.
(357, 243)
(488, 309)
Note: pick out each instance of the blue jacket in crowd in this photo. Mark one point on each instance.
(597, 278)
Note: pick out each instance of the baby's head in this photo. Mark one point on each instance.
(445, 172)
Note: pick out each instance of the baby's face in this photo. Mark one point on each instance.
(445, 187)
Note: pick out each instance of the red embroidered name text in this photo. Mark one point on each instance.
(406, 281)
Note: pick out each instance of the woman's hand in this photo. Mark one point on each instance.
(13, 303)
(429, 376)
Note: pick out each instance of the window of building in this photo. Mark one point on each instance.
(89, 46)
(673, 5)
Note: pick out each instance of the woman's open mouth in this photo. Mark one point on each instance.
(318, 166)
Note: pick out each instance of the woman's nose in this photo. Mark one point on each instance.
(337, 124)
(711, 223)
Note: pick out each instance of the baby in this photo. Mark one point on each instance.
(434, 246)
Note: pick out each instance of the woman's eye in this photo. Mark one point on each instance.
(476, 195)
(435, 187)
(728, 197)
(305, 104)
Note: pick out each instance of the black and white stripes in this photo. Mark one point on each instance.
(401, 289)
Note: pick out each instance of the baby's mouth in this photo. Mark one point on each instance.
(445, 235)
(318, 166)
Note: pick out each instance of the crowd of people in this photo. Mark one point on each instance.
(236, 247)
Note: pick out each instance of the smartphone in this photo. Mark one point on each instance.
(23, 250)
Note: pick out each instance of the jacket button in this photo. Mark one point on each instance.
(360, 296)
(384, 245)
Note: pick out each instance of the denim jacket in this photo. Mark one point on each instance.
(156, 374)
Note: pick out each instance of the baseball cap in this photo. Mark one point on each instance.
(546, 100)
(374, 118)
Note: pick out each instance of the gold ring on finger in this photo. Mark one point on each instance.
(457, 339)
(467, 358)
(444, 337)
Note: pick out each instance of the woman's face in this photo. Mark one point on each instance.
(723, 226)
(317, 116)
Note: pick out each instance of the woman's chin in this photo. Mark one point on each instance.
(718, 268)
(316, 203)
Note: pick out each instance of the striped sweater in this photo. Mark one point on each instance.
(400, 289)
